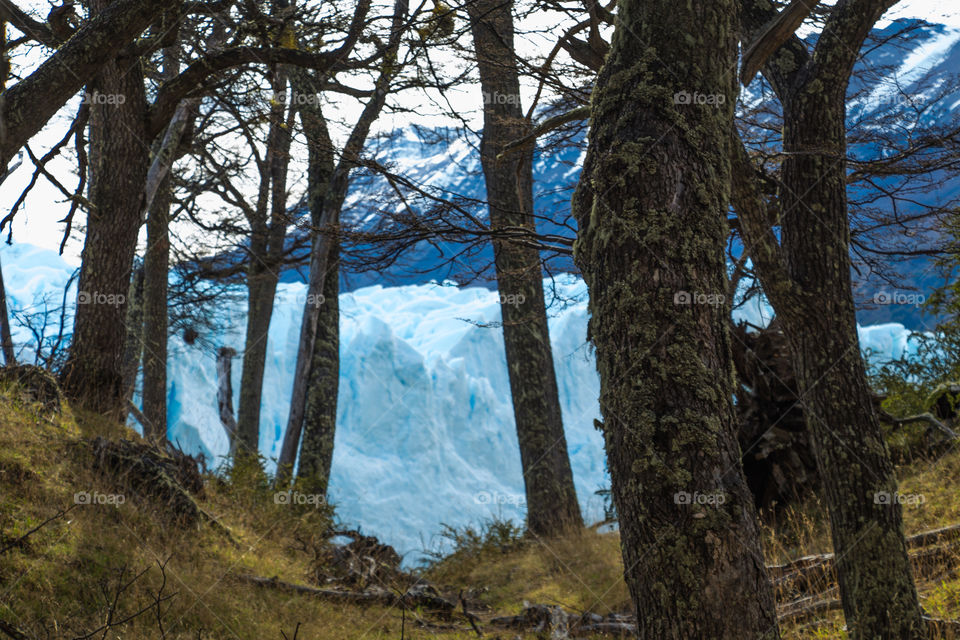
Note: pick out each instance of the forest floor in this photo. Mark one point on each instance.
(78, 571)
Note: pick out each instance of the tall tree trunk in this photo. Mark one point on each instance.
(807, 279)
(651, 209)
(133, 347)
(156, 263)
(6, 338)
(551, 497)
(313, 401)
(93, 373)
(873, 569)
(225, 357)
(320, 172)
(320, 415)
(266, 252)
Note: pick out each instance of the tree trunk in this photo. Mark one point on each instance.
(651, 209)
(311, 398)
(6, 338)
(320, 415)
(875, 577)
(266, 251)
(133, 347)
(93, 373)
(156, 260)
(551, 497)
(320, 173)
(225, 357)
(156, 268)
(807, 279)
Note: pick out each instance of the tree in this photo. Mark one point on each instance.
(118, 171)
(807, 278)
(29, 104)
(650, 208)
(92, 372)
(551, 497)
(313, 403)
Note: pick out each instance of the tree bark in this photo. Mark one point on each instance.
(860, 485)
(225, 357)
(320, 174)
(313, 402)
(551, 497)
(266, 250)
(156, 263)
(156, 260)
(6, 338)
(119, 160)
(651, 211)
(320, 414)
(807, 279)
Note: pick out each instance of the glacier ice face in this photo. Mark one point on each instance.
(425, 432)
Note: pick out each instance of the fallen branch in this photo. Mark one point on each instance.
(376, 596)
(806, 573)
(471, 618)
(19, 541)
(12, 632)
(929, 418)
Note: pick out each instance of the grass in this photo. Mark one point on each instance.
(61, 581)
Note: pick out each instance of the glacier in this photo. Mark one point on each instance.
(425, 433)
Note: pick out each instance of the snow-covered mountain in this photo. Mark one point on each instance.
(915, 72)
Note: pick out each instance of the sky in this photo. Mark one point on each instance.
(37, 222)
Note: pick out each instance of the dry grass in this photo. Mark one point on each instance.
(60, 581)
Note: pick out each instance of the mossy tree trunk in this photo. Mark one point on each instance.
(807, 279)
(651, 212)
(119, 158)
(320, 414)
(551, 497)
